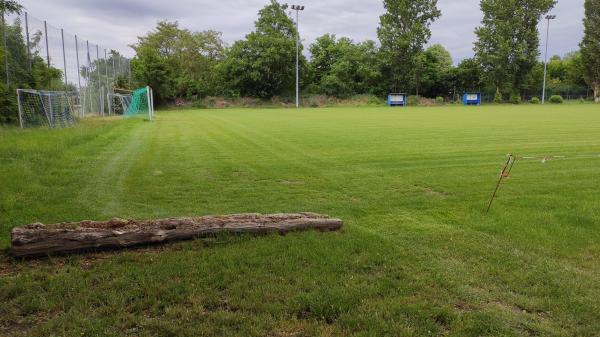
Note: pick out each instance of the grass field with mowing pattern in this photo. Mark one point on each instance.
(417, 255)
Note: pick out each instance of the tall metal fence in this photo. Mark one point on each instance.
(86, 70)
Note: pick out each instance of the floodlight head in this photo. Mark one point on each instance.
(550, 17)
(297, 8)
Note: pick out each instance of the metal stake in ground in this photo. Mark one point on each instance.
(510, 163)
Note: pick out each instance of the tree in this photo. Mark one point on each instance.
(324, 53)
(10, 6)
(263, 64)
(590, 46)
(149, 67)
(467, 77)
(507, 45)
(342, 68)
(24, 72)
(433, 72)
(574, 69)
(565, 76)
(402, 32)
(7, 7)
(177, 62)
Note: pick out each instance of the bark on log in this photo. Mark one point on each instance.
(38, 239)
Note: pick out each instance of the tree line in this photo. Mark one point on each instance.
(29, 68)
(23, 71)
(179, 63)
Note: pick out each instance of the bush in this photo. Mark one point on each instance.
(515, 98)
(439, 100)
(498, 97)
(534, 100)
(556, 99)
(8, 106)
(200, 104)
(414, 100)
(374, 100)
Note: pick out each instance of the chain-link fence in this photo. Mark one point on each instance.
(38, 55)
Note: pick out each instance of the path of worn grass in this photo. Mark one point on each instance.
(417, 256)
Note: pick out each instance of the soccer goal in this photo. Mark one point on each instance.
(141, 103)
(118, 104)
(53, 109)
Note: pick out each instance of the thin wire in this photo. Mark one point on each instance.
(512, 160)
(556, 157)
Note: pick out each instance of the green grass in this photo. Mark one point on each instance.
(417, 256)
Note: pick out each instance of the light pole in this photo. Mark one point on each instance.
(548, 17)
(297, 9)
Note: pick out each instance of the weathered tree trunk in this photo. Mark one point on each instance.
(38, 239)
(597, 93)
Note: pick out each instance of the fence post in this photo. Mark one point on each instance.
(106, 72)
(87, 72)
(28, 43)
(81, 106)
(109, 103)
(62, 37)
(100, 99)
(114, 75)
(47, 49)
(5, 50)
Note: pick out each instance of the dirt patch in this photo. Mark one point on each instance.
(518, 309)
(220, 305)
(291, 182)
(464, 306)
(430, 191)
(291, 331)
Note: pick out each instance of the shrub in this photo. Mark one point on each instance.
(439, 100)
(201, 104)
(515, 98)
(534, 100)
(556, 99)
(414, 100)
(427, 102)
(498, 97)
(582, 100)
(8, 106)
(374, 100)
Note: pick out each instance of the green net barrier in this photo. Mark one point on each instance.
(139, 103)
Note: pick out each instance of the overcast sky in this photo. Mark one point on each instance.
(116, 23)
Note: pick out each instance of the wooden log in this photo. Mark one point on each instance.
(39, 239)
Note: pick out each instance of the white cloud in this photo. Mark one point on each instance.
(117, 23)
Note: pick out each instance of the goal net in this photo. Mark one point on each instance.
(52, 109)
(118, 104)
(141, 104)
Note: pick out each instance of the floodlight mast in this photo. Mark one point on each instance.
(297, 9)
(548, 17)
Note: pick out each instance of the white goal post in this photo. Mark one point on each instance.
(141, 104)
(118, 103)
(46, 108)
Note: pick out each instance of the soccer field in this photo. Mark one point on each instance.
(417, 255)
